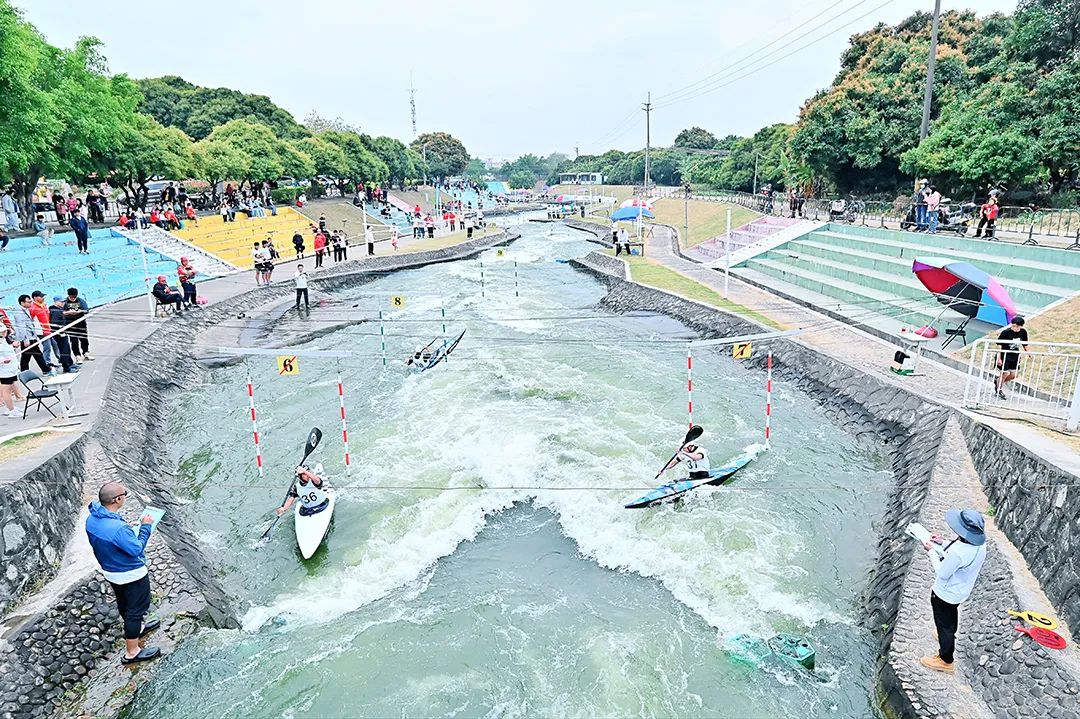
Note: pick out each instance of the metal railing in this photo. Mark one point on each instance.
(1046, 382)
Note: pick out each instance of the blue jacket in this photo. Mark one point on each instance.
(115, 544)
(79, 226)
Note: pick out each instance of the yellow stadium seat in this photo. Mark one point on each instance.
(232, 241)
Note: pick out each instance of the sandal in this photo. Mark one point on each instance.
(144, 655)
(149, 627)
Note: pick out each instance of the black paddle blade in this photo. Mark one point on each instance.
(313, 439)
(694, 432)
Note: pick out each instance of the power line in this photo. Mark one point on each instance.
(713, 87)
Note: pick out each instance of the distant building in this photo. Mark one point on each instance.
(581, 178)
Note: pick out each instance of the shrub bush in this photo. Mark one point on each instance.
(286, 195)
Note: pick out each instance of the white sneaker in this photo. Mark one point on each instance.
(15, 414)
(87, 356)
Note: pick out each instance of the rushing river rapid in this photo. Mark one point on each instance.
(481, 563)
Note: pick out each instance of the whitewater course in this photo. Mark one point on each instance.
(481, 562)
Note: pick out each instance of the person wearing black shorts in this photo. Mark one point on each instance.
(1012, 340)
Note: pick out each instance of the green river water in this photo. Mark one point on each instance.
(438, 594)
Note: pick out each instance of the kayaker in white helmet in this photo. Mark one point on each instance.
(310, 489)
(419, 359)
(696, 458)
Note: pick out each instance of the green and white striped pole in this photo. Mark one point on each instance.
(382, 337)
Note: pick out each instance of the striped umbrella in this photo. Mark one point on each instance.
(637, 202)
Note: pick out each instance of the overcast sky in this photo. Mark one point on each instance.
(504, 77)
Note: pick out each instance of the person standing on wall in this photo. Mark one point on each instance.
(933, 203)
(1011, 341)
(988, 214)
(74, 309)
(301, 287)
(121, 553)
(82, 231)
(956, 567)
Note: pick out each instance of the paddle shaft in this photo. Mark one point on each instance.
(316, 435)
(692, 434)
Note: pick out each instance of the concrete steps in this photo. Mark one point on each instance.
(894, 276)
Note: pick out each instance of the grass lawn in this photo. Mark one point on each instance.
(336, 210)
(647, 272)
(707, 219)
(1058, 325)
(18, 446)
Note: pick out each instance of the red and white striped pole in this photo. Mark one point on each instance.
(255, 427)
(344, 426)
(689, 386)
(768, 399)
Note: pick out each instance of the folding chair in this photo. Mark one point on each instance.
(960, 332)
(39, 395)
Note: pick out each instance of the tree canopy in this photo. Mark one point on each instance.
(196, 110)
(444, 153)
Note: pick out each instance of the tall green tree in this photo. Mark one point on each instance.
(196, 110)
(364, 165)
(696, 138)
(256, 144)
(444, 154)
(328, 158)
(148, 150)
(217, 160)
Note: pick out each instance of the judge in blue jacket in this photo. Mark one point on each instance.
(121, 553)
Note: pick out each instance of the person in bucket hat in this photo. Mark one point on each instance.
(956, 566)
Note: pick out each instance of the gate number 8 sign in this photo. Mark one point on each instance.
(397, 300)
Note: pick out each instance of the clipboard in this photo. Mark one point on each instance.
(156, 514)
(919, 532)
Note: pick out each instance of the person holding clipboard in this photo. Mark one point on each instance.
(956, 564)
(121, 552)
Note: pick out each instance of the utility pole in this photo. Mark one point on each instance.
(755, 172)
(412, 105)
(577, 152)
(647, 107)
(930, 64)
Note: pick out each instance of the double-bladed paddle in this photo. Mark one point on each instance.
(313, 439)
(693, 433)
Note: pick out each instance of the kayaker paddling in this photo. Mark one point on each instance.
(310, 489)
(420, 358)
(696, 458)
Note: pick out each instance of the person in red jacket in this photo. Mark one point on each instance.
(988, 215)
(320, 248)
(185, 273)
(39, 311)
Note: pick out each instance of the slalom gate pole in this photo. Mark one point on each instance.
(482, 289)
(255, 427)
(443, 314)
(689, 386)
(515, 279)
(344, 426)
(382, 337)
(768, 398)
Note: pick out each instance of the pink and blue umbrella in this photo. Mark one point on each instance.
(965, 288)
(637, 202)
(632, 213)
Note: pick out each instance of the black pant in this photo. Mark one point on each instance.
(35, 352)
(80, 340)
(133, 602)
(301, 292)
(989, 224)
(319, 257)
(172, 298)
(371, 248)
(63, 348)
(83, 241)
(946, 619)
(189, 292)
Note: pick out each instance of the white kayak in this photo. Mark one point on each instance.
(312, 528)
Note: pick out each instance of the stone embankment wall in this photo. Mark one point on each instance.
(1036, 506)
(37, 514)
(48, 660)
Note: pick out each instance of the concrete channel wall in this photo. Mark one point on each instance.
(37, 514)
(51, 657)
